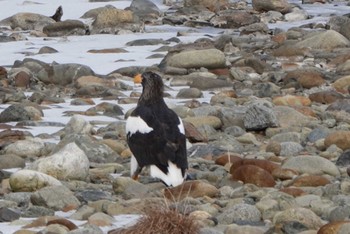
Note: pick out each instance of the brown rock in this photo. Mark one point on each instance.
(279, 38)
(41, 221)
(3, 73)
(263, 164)
(290, 100)
(290, 51)
(228, 158)
(332, 228)
(197, 121)
(339, 138)
(65, 222)
(325, 97)
(212, 5)
(193, 189)
(310, 181)
(272, 5)
(307, 78)
(348, 171)
(84, 81)
(192, 134)
(284, 173)
(342, 84)
(9, 136)
(306, 110)
(253, 175)
(295, 192)
(22, 79)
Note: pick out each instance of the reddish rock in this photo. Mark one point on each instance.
(22, 79)
(295, 192)
(338, 138)
(332, 228)
(228, 158)
(305, 110)
(325, 97)
(310, 181)
(279, 38)
(220, 71)
(261, 163)
(192, 134)
(253, 175)
(306, 78)
(284, 173)
(291, 100)
(193, 189)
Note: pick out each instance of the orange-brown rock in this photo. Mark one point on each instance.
(295, 192)
(192, 133)
(261, 163)
(212, 5)
(228, 93)
(193, 189)
(62, 221)
(291, 100)
(338, 138)
(253, 175)
(325, 97)
(284, 173)
(228, 158)
(307, 78)
(332, 228)
(279, 38)
(274, 147)
(310, 181)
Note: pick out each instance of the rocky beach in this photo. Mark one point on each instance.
(262, 87)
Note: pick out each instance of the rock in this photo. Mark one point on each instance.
(77, 125)
(253, 175)
(297, 14)
(294, 227)
(189, 93)
(338, 138)
(27, 21)
(306, 78)
(339, 24)
(129, 188)
(8, 161)
(32, 147)
(263, 164)
(310, 181)
(287, 137)
(101, 219)
(334, 227)
(242, 229)
(299, 214)
(66, 28)
(326, 97)
(306, 164)
(295, 192)
(22, 79)
(343, 160)
(8, 215)
(108, 109)
(290, 100)
(146, 10)
(70, 163)
(234, 19)
(288, 117)
(326, 40)
(20, 112)
(228, 158)
(340, 105)
(259, 117)
(208, 58)
(145, 42)
(289, 148)
(271, 5)
(193, 189)
(192, 133)
(240, 213)
(339, 213)
(284, 174)
(209, 83)
(214, 5)
(317, 134)
(28, 181)
(342, 84)
(55, 197)
(198, 121)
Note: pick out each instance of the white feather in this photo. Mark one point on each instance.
(172, 178)
(137, 124)
(133, 165)
(181, 127)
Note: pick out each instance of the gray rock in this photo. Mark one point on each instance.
(27, 21)
(95, 11)
(21, 198)
(267, 89)
(340, 24)
(317, 134)
(240, 213)
(329, 39)
(77, 125)
(209, 58)
(306, 164)
(129, 188)
(87, 229)
(146, 10)
(271, 5)
(19, 112)
(290, 148)
(259, 117)
(11, 161)
(54, 197)
(287, 137)
(8, 215)
(145, 42)
(32, 147)
(66, 28)
(209, 83)
(47, 50)
(297, 14)
(232, 18)
(344, 159)
(92, 195)
(189, 93)
(340, 213)
(37, 211)
(293, 227)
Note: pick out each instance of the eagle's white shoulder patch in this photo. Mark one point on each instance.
(181, 126)
(136, 124)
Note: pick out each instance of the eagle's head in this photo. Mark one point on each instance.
(153, 87)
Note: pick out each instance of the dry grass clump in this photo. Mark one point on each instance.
(161, 220)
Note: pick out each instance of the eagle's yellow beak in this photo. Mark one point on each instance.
(137, 79)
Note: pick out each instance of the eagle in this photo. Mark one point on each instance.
(156, 135)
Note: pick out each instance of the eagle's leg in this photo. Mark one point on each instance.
(135, 176)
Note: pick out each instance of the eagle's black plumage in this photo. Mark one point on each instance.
(155, 135)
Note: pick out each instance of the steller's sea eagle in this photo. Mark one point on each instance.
(156, 135)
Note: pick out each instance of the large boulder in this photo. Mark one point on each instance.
(326, 40)
(66, 28)
(27, 21)
(20, 112)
